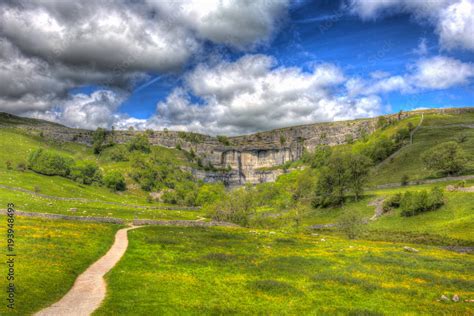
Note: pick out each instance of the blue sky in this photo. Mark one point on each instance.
(246, 66)
(321, 31)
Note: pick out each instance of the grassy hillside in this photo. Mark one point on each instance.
(434, 130)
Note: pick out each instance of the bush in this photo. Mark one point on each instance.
(21, 166)
(401, 135)
(351, 224)
(115, 181)
(49, 163)
(379, 149)
(118, 153)
(86, 172)
(210, 193)
(392, 202)
(139, 143)
(236, 207)
(448, 158)
(404, 180)
(223, 140)
(319, 157)
(413, 203)
(8, 164)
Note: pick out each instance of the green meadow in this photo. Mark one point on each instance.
(50, 254)
(171, 270)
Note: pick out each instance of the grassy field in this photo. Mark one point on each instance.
(30, 203)
(452, 224)
(50, 255)
(169, 270)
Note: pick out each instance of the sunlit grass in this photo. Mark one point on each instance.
(50, 255)
(213, 271)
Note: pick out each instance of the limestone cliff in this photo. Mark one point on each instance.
(246, 159)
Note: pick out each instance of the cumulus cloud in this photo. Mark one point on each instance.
(452, 19)
(49, 47)
(240, 24)
(254, 93)
(435, 73)
(97, 109)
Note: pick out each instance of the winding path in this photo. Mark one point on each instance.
(89, 290)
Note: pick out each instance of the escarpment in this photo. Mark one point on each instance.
(234, 160)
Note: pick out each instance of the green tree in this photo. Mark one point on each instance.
(86, 172)
(98, 138)
(332, 183)
(319, 157)
(357, 171)
(448, 158)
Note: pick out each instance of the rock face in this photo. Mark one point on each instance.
(247, 159)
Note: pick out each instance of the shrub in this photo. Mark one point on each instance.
(379, 149)
(139, 143)
(115, 181)
(210, 193)
(349, 139)
(49, 163)
(223, 140)
(392, 202)
(21, 166)
(401, 135)
(461, 138)
(413, 203)
(86, 172)
(404, 180)
(118, 153)
(8, 164)
(236, 207)
(448, 158)
(319, 157)
(351, 224)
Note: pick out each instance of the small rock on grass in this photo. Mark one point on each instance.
(410, 249)
(455, 298)
(444, 298)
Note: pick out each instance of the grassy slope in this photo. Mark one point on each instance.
(454, 220)
(435, 129)
(16, 147)
(235, 271)
(50, 255)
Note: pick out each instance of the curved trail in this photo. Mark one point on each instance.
(89, 289)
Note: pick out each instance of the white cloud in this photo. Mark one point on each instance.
(422, 48)
(241, 24)
(49, 47)
(253, 94)
(452, 19)
(435, 73)
(441, 73)
(85, 111)
(456, 25)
